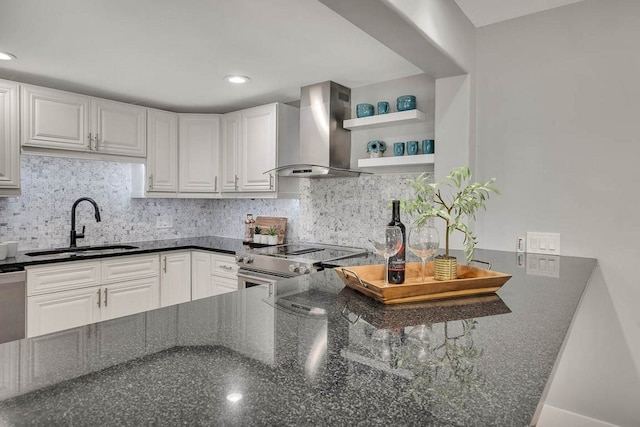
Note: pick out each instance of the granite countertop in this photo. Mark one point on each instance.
(209, 243)
(305, 351)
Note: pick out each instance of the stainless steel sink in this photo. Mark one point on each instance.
(88, 250)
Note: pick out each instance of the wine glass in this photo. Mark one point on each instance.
(387, 242)
(424, 242)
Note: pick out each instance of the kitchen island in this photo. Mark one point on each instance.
(306, 351)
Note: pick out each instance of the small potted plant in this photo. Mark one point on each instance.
(272, 236)
(456, 206)
(257, 237)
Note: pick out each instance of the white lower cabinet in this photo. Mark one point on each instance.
(135, 296)
(175, 278)
(62, 310)
(212, 274)
(67, 295)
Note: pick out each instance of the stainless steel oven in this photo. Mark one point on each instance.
(263, 266)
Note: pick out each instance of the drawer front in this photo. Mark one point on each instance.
(119, 269)
(62, 276)
(224, 266)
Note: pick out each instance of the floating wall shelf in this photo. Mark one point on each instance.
(384, 120)
(391, 161)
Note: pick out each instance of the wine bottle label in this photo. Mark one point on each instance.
(397, 262)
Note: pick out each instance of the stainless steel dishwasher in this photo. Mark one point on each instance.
(13, 298)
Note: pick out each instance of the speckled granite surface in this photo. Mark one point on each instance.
(210, 243)
(306, 351)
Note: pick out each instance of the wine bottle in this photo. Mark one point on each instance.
(397, 261)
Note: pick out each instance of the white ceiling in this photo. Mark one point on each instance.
(174, 54)
(485, 12)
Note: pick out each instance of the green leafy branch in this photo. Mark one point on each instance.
(456, 207)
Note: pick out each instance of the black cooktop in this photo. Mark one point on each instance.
(309, 251)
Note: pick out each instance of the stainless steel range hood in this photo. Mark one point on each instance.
(325, 147)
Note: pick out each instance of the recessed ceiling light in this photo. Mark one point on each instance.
(6, 56)
(237, 79)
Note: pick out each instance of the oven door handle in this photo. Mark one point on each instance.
(256, 278)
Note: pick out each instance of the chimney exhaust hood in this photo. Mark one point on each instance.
(325, 147)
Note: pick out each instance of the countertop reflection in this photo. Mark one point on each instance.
(306, 351)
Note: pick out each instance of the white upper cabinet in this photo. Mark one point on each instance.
(199, 150)
(118, 128)
(253, 140)
(229, 151)
(258, 148)
(9, 140)
(55, 119)
(162, 151)
(60, 120)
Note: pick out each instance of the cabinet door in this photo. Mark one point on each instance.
(198, 148)
(9, 140)
(230, 147)
(258, 148)
(162, 151)
(119, 128)
(62, 310)
(175, 279)
(200, 273)
(54, 119)
(134, 296)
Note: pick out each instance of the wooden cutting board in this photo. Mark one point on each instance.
(280, 223)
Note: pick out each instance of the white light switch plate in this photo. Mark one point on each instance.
(543, 243)
(543, 265)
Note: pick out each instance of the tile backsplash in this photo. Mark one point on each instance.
(336, 211)
(342, 211)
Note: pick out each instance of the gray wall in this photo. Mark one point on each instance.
(557, 125)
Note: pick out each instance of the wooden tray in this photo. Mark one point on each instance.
(280, 223)
(369, 280)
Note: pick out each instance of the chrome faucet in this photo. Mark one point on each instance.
(74, 235)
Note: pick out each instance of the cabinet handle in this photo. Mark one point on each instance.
(150, 181)
(164, 264)
(215, 184)
(97, 137)
(90, 142)
(99, 294)
(270, 181)
(236, 182)
(105, 297)
(226, 267)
